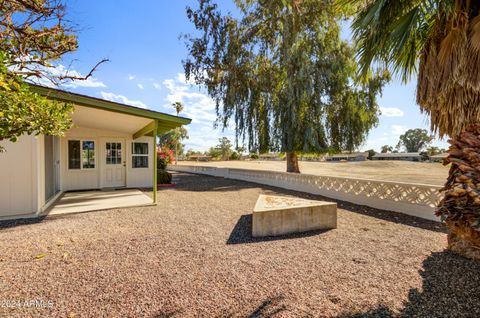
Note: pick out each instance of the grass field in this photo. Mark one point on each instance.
(400, 171)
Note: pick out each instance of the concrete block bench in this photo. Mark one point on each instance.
(275, 215)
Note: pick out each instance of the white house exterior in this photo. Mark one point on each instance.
(111, 145)
(406, 156)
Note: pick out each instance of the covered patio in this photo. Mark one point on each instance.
(88, 201)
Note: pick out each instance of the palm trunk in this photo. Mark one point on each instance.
(292, 162)
(460, 207)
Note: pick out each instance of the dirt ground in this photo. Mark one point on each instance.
(401, 171)
(193, 256)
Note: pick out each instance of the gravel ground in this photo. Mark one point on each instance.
(388, 170)
(193, 256)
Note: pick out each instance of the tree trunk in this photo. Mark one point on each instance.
(292, 162)
(460, 207)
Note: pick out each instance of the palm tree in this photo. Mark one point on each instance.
(439, 40)
(178, 109)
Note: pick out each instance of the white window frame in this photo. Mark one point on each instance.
(140, 155)
(95, 152)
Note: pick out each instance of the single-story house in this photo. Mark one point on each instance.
(407, 156)
(357, 156)
(439, 157)
(110, 146)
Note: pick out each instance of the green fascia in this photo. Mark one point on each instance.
(88, 101)
(145, 130)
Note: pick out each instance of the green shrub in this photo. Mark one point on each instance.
(163, 177)
(162, 163)
(234, 156)
(254, 156)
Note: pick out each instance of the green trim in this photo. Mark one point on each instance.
(155, 162)
(145, 130)
(88, 101)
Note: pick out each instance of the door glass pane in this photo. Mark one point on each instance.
(113, 153)
(74, 154)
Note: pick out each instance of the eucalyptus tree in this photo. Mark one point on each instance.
(439, 40)
(282, 74)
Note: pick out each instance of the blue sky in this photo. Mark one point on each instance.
(141, 39)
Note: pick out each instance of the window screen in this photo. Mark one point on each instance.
(139, 155)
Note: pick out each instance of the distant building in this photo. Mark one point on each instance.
(200, 158)
(406, 156)
(439, 157)
(356, 156)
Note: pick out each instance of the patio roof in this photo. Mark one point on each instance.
(166, 122)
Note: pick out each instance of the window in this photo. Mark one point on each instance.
(114, 153)
(88, 155)
(74, 154)
(139, 154)
(81, 157)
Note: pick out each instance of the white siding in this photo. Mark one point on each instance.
(19, 177)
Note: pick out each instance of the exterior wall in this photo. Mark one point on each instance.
(94, 178)
(20, 170)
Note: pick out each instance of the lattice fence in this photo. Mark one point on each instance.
(413, 199)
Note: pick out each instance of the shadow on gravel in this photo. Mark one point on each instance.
(451, 288)
(269, 308)
(204, 183)
(242, 233)
(21, 222)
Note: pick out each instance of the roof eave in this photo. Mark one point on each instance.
(88, 101)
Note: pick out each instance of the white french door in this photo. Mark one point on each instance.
(114, 163)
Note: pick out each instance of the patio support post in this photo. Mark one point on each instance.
(155, 131)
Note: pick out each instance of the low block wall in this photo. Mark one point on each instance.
(413, 199)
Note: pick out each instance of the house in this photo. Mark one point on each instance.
(110, 146)
(357, 156)
(407, 156)
(439, 157)
(200, 158)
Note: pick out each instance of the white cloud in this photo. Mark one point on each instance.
(398, 129)
(131, 77)
(157, 86)
(122, 99)
(391, 111)
(140, 86)
(200, 108)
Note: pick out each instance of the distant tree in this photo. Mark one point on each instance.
(173, 139)
(282, 72)
(178, 107)
(386, 148)
(432, 151)
(225, 147)
(414, 140)
(178, 133)
(371, 153)
(214, 152)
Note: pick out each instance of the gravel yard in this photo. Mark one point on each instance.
(192, 256)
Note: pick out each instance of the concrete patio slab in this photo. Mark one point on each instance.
(86, 201)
